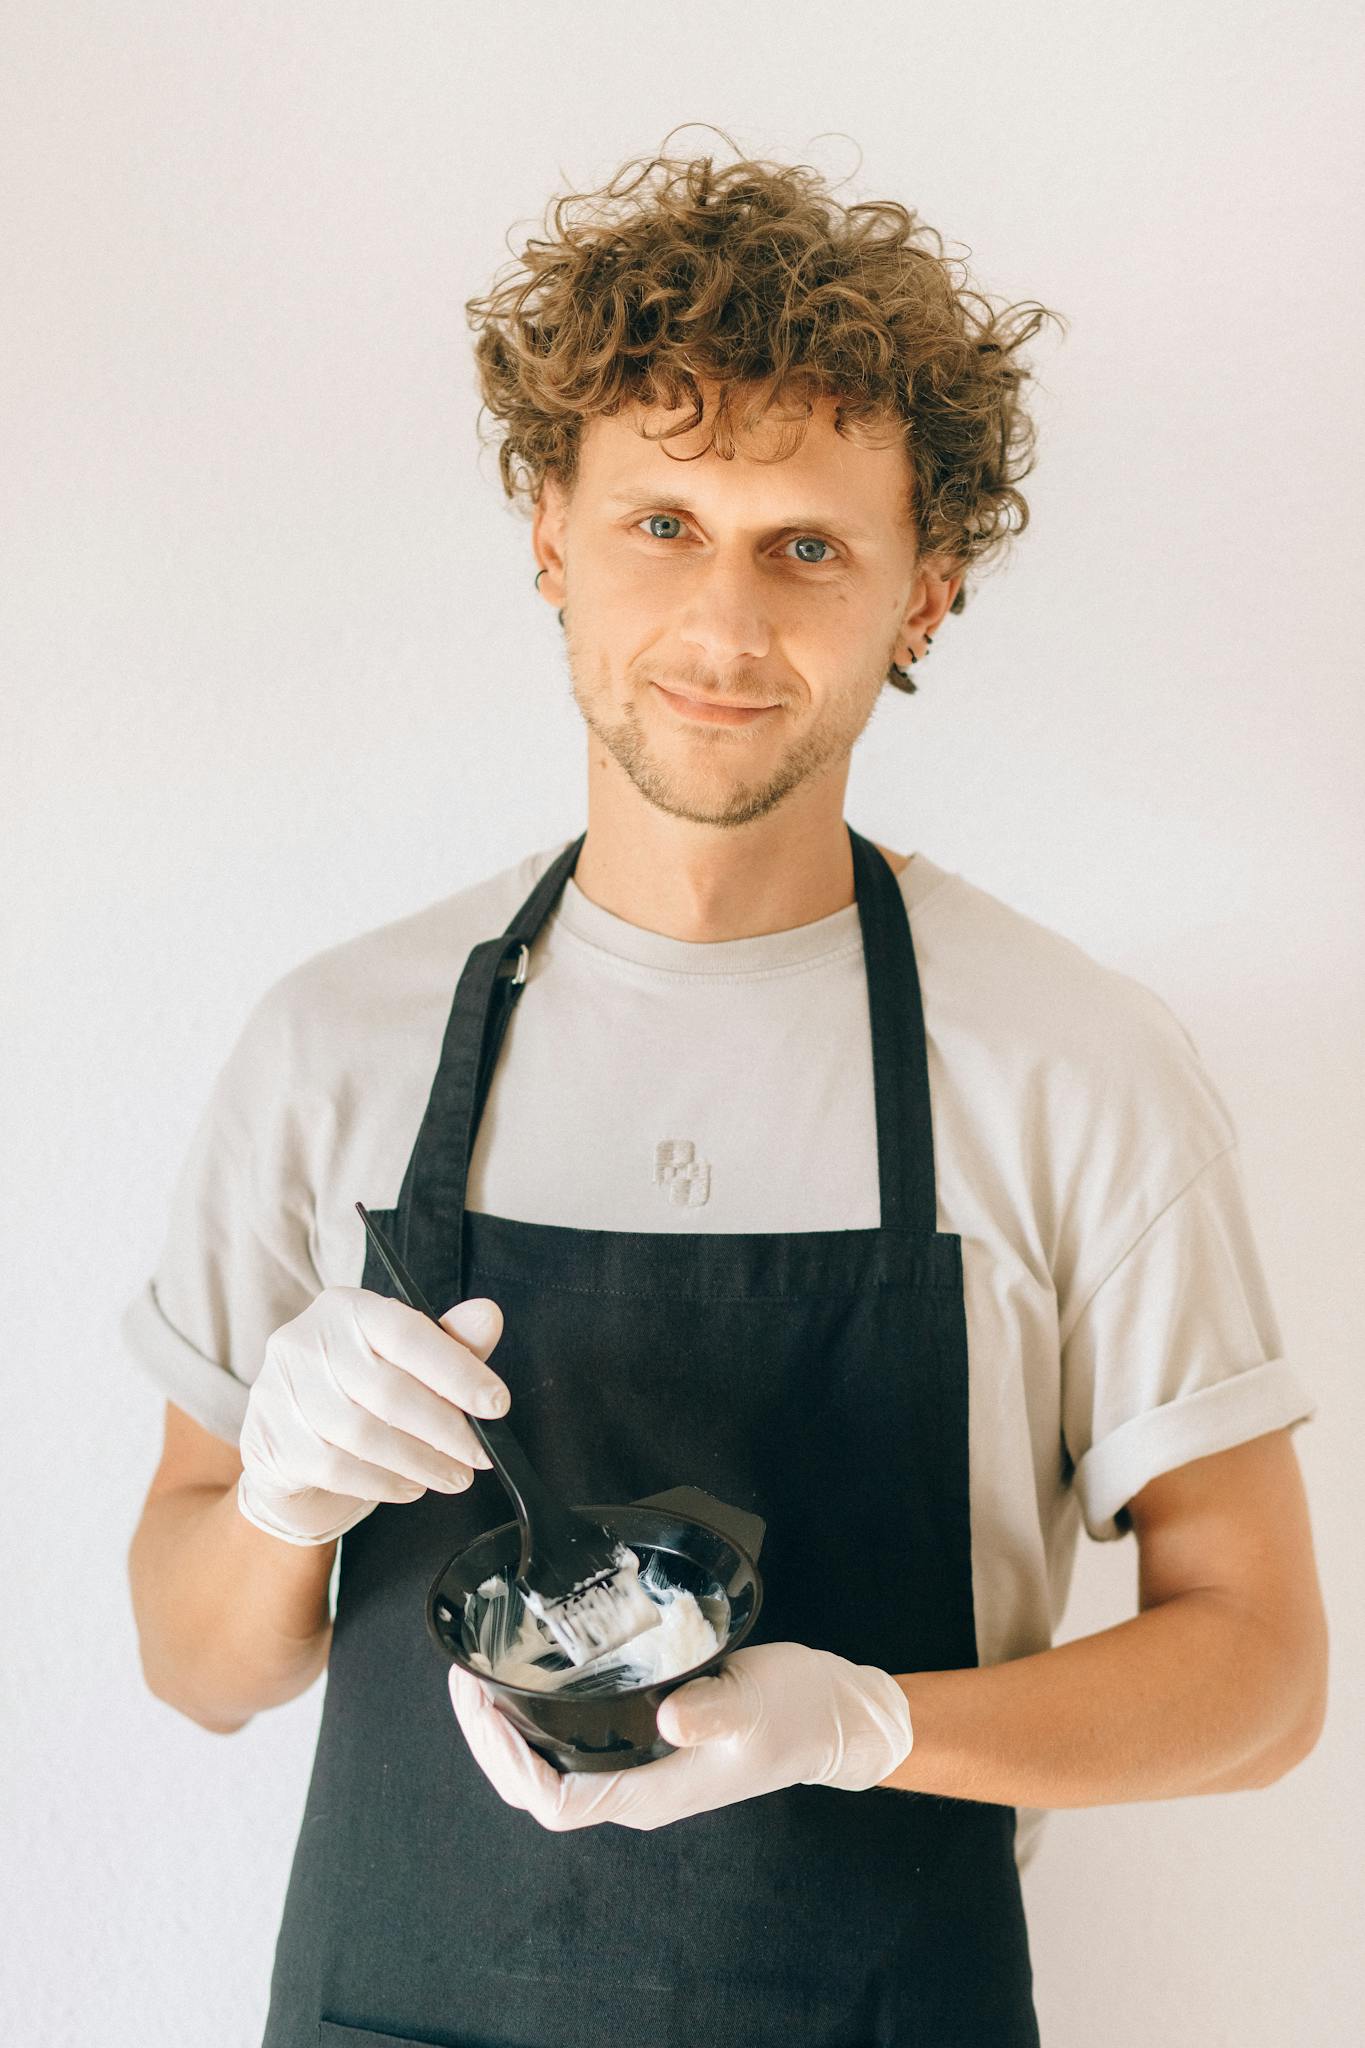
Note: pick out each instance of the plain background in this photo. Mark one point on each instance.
(275, 673)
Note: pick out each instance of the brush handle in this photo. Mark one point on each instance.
(562, 1535)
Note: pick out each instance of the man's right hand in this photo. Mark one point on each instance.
(362, 1399)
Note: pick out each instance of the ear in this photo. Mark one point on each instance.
(547, 539)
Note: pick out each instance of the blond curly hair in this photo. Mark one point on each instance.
(755, 279)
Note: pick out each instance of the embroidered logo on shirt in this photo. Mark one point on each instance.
(677, 1169)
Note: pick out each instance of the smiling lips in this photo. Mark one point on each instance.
(715, 711)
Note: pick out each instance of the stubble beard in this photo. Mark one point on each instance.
(735, 802)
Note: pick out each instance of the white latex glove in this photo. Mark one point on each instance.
(775, 1714)
(362, 1399)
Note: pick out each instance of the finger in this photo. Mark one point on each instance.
(702, 1711)
(671, 1788)
(649, 1796)
(466, 1694)
(359, 1414)
(471, 1712)
(557, 1799)
(341, 1448)
(431, 1353)
(388, 1390)
(516, 1772)
(589, 1798)
(512, 1766)
(477, 1324)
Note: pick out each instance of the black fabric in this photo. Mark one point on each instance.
(817, 1378)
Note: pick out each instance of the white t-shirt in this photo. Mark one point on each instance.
(1118, 1321)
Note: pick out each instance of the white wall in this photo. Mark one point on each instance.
(272, 658)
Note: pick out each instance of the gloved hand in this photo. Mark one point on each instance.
(362, 1399)
(775, 1714)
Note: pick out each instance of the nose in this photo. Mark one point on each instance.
(725, 619)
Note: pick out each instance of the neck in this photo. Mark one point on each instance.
(707, 883)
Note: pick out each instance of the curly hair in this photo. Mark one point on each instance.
(752, 278)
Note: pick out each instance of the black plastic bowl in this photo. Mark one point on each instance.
(703, 1545)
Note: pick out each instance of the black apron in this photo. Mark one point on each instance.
(817, 1378)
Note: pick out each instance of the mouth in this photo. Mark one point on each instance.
(713, 710)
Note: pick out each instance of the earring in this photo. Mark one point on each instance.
(904, 673)
(539, 574)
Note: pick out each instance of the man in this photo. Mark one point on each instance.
(785, 1165)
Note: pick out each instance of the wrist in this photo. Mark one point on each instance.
(874, 1724)
(330, 1527)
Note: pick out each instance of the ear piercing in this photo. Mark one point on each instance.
(539, 574)
(904, 673)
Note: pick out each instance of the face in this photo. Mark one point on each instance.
(777, 589)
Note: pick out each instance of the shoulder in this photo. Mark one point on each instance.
(389, 986)
(1086, 1056)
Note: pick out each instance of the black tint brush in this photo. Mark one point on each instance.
(575, 1575)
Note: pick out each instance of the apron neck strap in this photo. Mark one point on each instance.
(491, 984)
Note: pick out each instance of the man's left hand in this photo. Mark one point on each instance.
(775, 1714)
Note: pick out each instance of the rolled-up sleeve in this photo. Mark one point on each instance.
(208, 1392)
(1177, 1354)
(235, 1261)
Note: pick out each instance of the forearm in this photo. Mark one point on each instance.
(1194, 1695)
(229, 1619)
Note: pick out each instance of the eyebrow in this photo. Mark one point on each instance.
(819, 522)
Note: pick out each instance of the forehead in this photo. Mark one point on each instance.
(636, 427)
(778, 458)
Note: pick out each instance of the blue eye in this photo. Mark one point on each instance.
(799, 540)
(804, 540)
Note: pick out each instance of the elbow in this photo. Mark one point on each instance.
(213, 1723)
(1300, 1744)
(219, 1727)
(1305, 1741)
(1315, 1720)
(1280, 1761)
(171, 1696)
(1307, 1678)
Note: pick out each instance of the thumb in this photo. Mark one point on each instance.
(477, 1324)
(702, 1711)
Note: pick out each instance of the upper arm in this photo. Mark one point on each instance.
(193, 1456)
(1237, 1523)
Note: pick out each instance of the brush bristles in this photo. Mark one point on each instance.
(609, 1611)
